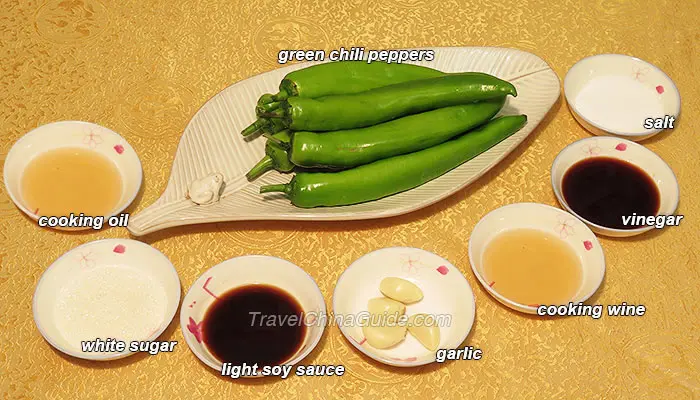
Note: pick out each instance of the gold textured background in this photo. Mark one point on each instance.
(143, 68)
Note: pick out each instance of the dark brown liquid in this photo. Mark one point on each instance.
(602, 190)
(252, 324)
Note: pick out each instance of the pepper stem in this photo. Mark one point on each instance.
(275, 125)
(278, 113)
(281, 187)
(267, 107)
(254, 127)
(280, 96)
(264, 165)
(283, 94)
(266, 98)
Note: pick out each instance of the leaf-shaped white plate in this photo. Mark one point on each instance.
(212, 143)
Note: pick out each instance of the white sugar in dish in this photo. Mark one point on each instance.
(117, 289)
(118, 302)
(618, 103)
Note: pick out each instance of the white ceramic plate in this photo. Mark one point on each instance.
(446, 295)
(249, 270)
(88, 289)
(622, 149)
(212, 143)
(73, 134)
(547, 219)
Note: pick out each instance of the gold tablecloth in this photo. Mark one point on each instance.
(143, 68)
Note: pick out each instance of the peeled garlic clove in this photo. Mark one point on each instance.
(424, 328)
(383, 305)
(383, 337)
(401, 290)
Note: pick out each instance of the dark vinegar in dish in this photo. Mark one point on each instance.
(602, 190)
(254, 324)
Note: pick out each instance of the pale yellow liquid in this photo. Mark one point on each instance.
(71, 180)
(532, 267)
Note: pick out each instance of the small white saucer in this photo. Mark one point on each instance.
(548, 219)
(446, 295)
(621, 149)
(150, 280)
(73, 134)
(247, 270)
(616, 67)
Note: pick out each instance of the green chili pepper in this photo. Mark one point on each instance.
(345, 77)
(342, 77)
(332, 113)
(275, 156)
(353, 147)
(396, 174)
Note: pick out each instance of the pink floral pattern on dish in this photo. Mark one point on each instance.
(588, 245)
(206, 289)
(591, 149)
(119, 249)
(411, 264)
(86, 260)
(565, 228)
(119, 149)
(92, 139)
(660, 89)
(196, 329)
(621, 147)
(443, 270)
(640, 74)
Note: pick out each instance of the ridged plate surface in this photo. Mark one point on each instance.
(212, 143)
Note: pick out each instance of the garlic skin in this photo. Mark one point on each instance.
(427, 334)
(400, 290)
(386, 306)
(383, 337)
(206, 190)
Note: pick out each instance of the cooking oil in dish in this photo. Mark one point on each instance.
(71, 180)
(532, 267)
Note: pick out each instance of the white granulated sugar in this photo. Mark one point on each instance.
(620, 103)
(116, 302)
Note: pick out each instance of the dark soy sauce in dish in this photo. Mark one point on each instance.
(602, 190)
(238, 327)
